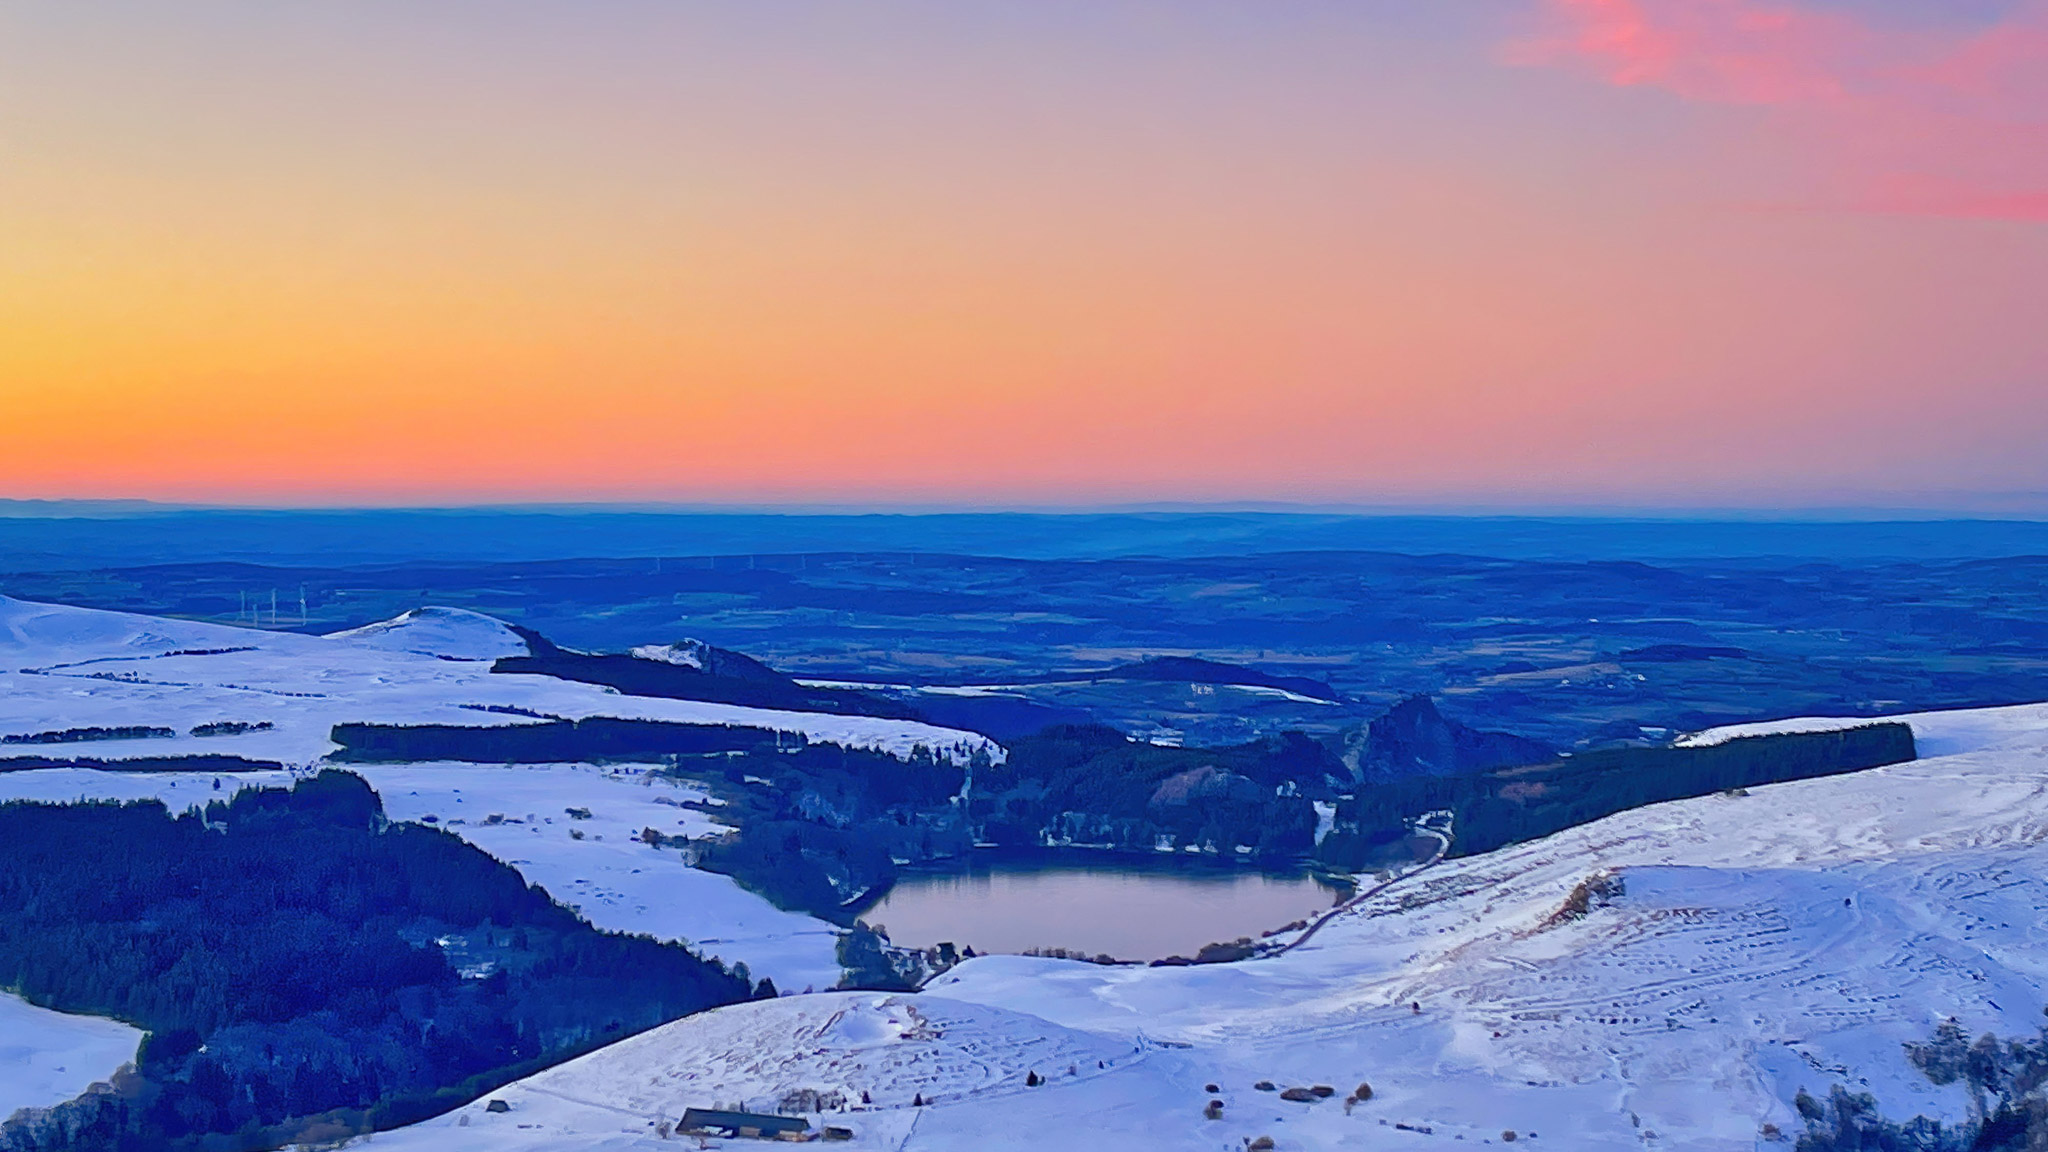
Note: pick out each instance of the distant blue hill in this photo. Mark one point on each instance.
(42, 536)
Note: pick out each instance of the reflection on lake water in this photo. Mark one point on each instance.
(1130, 912)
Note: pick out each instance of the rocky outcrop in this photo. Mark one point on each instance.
(1414, 739)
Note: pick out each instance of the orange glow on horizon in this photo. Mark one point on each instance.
(1223, 276)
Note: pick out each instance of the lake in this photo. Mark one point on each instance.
(1130, 909)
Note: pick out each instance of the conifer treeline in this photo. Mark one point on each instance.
(301, 965)
(1510, 805)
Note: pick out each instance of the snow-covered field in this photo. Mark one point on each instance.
(49, 1057)
(66, 668)
(608, 874)
(71, 668)
(1742, 947)
(1934, 733)
(178, 790)
(1793, 937)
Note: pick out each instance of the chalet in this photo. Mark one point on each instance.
(706, 1121)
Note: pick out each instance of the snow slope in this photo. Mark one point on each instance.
(1744, 947)
(871, 1057)
(63, 667)
(1934, 733)
(178, 790)
(450, 633)
(1753, 945)
(612, 878)
(71, 668)
(51, 1057)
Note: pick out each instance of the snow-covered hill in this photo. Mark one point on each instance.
(78, 668)
(1665, 978)
(1935, 733)
(450, 633)
(840, 1047)
(1727, 952)
(77, 684)
(594, 860)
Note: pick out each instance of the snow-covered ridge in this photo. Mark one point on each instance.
(1734, 950)
(450, 633)
(280, 694)
(1945, 733)
(1731, 951)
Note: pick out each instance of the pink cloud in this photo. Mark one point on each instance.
(2000, 71)
(1727, 51)
(1924, 120)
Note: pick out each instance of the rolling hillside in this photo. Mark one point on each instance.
(273, 698)
(1671, 977)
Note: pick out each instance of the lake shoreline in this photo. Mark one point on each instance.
(1134, 906)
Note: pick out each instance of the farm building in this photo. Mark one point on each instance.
(711, 1122)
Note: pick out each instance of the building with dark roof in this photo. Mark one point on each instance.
(713, 1122)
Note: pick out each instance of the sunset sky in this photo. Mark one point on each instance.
(1500, 252)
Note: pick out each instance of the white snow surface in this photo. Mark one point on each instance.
(51, 1057)
(609, 876)
(683, 653)
(63, 667)
(1793, 937)
(450, 633)
(179, 791)
(1934, 733)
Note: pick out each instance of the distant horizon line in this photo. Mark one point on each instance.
(1846, 513)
